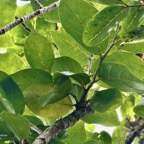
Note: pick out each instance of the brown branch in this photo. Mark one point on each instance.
(29, 17)
(62, 124)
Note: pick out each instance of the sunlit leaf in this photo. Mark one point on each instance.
(7, 12)
(74, 15)
(108, 2)
(77, 134)
(119, 76)
(109, 118)
(69, 47)
(38, 51)
(66, 64)
(11, 63)
(99, 26)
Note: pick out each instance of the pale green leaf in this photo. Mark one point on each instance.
(108, 2)
(7, 12)
(77, 134)
(69, 47)
(108, 118)
(66, 64)
(11, 63)
(38, 51)
(99, 26)
(74, 14)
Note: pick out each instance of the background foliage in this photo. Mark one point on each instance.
(83, 52)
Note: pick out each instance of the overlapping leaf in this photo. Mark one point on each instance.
(74, 15)
(108, 2)
(99, 26)
(36, 83)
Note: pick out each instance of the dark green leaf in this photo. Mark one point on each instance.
(38, 51)
(11, 95)
(17, 124)
(74, 15)
(99, 26)
(106, 99)
(60, 90)
(105, 137)
(92, 142)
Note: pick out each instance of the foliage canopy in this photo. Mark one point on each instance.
(76, 64)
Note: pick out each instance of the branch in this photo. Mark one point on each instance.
(62, 124)
(29, 17)
(135, 128)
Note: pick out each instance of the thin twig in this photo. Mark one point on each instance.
(24, 25)
(38, 4)
(36, 129)
(29, 17)
(90, 63)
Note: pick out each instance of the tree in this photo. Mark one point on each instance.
(68, 64)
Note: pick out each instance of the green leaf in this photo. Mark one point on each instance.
(17, 124)
(11, 95)
(66, 64)
(11, 63)
(119, 134)
(99, 26)
(127, 106)
(139, 108)
(131, 61)
(38, 51)
(105, 137)
(106, 99)
(78, 12)
(7, 11)
(133, 18)
(6, 41)
(5, 133)
(69, 47)
(60, 90)
(36, 83)
(108, 2)
(108, 118)
(92, 142)
(120, 77)
(77, 134)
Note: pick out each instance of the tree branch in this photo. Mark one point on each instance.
(38, 4)
(29, 17)
(62, 124)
